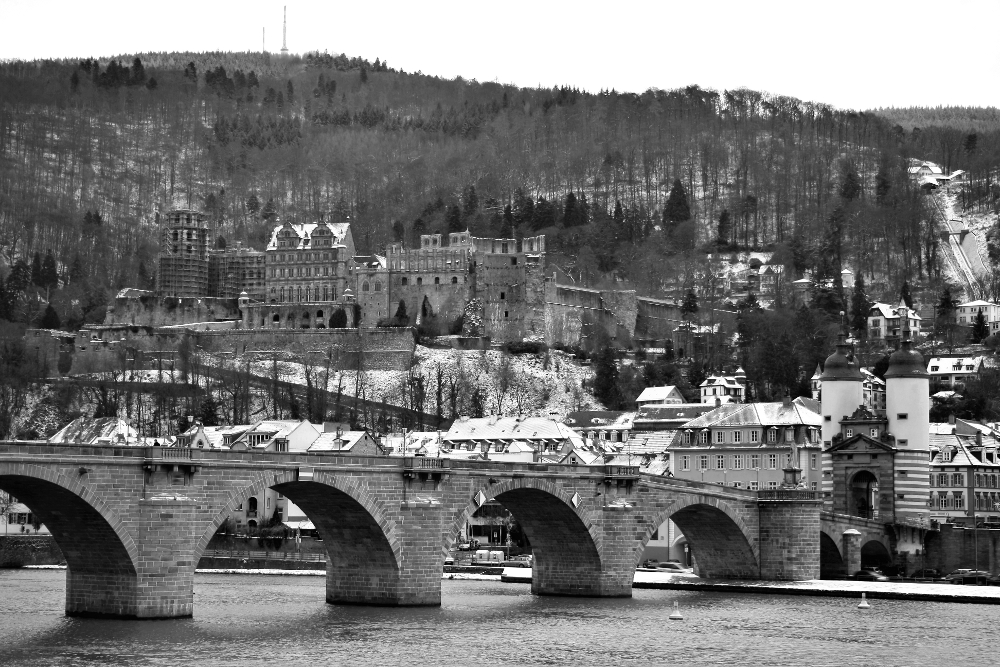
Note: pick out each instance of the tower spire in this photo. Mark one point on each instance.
(284, 32)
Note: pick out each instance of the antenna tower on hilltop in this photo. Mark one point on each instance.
(284, 33)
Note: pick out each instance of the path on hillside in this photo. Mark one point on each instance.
(964, 249)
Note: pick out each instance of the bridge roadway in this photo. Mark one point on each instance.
(133, 522)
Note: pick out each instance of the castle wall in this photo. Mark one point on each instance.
(151, 311)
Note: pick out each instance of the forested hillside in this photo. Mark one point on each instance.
(88, 149)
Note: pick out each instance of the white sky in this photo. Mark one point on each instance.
(848, 53)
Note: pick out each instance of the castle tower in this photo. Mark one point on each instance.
(185, 241)
(908, 411)
(841, 392)
(284, 33)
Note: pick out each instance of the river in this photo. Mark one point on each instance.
(284, 620)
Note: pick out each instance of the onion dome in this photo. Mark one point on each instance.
(906, 363)
(839, 365)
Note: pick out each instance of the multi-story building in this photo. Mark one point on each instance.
(966, 314)
(887, 322)
(964, 473)
(307, 263)
(724, 388)
(951, 371)
(236, 270)
(747, 445)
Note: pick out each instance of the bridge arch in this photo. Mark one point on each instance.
(875, 553)
(334, 503)
(566, 543)
(721, 543)
(831, 557)
(100, 552)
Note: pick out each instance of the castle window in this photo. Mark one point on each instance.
(513, 261)
(326, 270)
(874, 432)
(503, 295)
(454, 280)
(902, 415)
(378, 285)
(403, 281)
(437, 280)
(420, 281)
(850, 433)
(365, 286)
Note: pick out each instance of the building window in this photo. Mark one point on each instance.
(703, 437)
(720, 462)
(738, 462)
(753, 485)
(771, 486)
(737, 436)
(958, 479)
(754, 436)
(755, 461)
(772, 461)
(901, 415)
(812, 461)
(685, 462)
(959, 500)
(737, 485)
(942, 479)
(812, 486)
(874, 433)
(703, 462)
(687, 438)
(720, 436)
(850, 433)
(772, 435)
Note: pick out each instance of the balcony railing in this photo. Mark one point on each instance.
(786, 494)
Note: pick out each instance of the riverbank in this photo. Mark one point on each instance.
(874, 590)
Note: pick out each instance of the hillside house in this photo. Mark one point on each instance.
(952, 371)
(884, 321)
(668, 395)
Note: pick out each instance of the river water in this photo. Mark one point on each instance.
(284, 620)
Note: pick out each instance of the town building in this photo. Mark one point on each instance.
(724, 388)
(966, 314)
(490, 436)
(609, 425)
(886, 322)
(747, 445)
(655, 418)
(307, 262)
(668, 395)
(964, 473)
(953, 371)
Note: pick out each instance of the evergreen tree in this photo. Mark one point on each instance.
(507, 227)
(606, 388)
(138, 76)
(471, 201)
(401, 315)
(74, 81)
(209, 412)
(220, 242)
(545, 214)
(523, 208)
(677, 209)
(689, 306)
(339, 318)
(253, 204)
(860, 306)
(980, 328)
(20, 277)
(905, 296)
(364, 75)
(270, 211)
(724, 228)
(49, 273)
(291, 91)
(398, 231)
(151, 84)
(453, 219)
(571, 214)
(76, 273)
(50, 319)
(36, 270)
(944, 321)
(850, 186)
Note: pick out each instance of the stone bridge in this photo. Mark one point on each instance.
(133, 522)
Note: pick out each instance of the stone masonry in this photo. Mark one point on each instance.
(133, 522)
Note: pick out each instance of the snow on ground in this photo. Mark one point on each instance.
(530, 385)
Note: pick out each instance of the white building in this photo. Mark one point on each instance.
(668, 395)
(884, 321)
(949, 371)
(724, 388)
(967, 312)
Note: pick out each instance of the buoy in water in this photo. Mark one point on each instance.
(676, 616)
(864, 603)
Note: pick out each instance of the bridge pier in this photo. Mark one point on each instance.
(378, 578)
(162, 582)
(789, 539)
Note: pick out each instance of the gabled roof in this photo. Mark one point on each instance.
(678, 413)
(890, 312)
(721, 381)
(652, 442)
(658, 394)
(979, 303)
(509, 428)
(589, 419)
(332, 442)
(88, 431)
(946, 365)
(305, 231)
(867, 442)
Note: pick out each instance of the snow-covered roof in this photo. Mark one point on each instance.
(334, 442)
(600, 419)
(796, 413)
(659, 394)
(527, 429)
(303, 233)
(952, 365)
(887, 311)
(102, 430)
(721, 381)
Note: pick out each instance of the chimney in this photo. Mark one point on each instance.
(951, 419)
(787, 401)
(979, 438)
